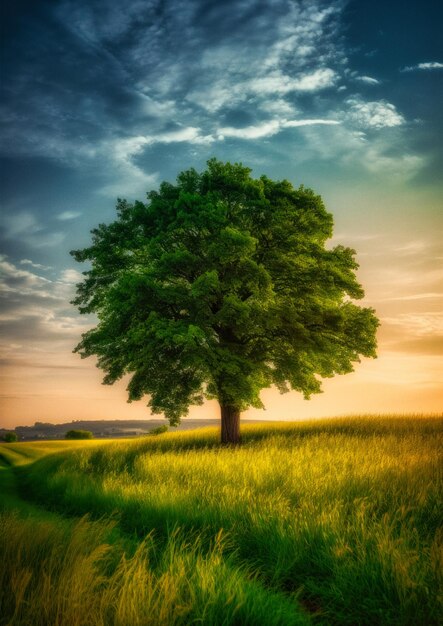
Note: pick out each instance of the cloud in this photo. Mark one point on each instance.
(71, 276)
(36, 313)
(431, 65)
(251, 132)
(68, 215)
(293, 51)
(37, 266)
(399, 167)
(424, 345)
(408, 330)
(129, 178)
(373, 115)
(127, 147)
(18, 281)
(281, 84)
(38, 330)
(24, 226)
(21, 223)
(308, 122)
(418, 325)
(412, 247)
(272, 127)
(140, 97)
(417, 296)
(23, 290)
(368, 80)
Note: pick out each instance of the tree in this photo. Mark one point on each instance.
(79, 434)
(220, 286)
(10, 437)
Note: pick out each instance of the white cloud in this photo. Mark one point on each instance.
(36, 266)
(127, 147)
(368, 80)
(34, 306)
(373, 115)
(18, 281)
(431, 65)
(23, 225)
(386, 156)
(267, 129)
(313, 122)
(68, 215)
(398, 167)
(294, 51)
(278, 106)
(189, 134)
(252, 132)
(279, 83)
(71, 276)
(130, 179)
(418, 325)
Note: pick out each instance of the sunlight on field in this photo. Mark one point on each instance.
(323, 522)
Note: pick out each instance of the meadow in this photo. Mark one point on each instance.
(318, 522)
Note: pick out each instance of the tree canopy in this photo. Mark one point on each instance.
(219, 286)
(10, 437)
(79, 434)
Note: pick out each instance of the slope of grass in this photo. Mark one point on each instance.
(340, 517)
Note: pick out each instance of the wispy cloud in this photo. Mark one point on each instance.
(282, 65)
(68, 215)
(430, 65)
(279, 83)
(131, 146)
(368, 80)
(272, 127)
(18, 281)
(435, 295)
(430, 323)
(71, 277)
(25, 226)
(37, 266)
(417, 246)
(36, 308)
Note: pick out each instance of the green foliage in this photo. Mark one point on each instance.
(220, 286)
(342, 517)
(97, 578)
(10, 437)
(79, 434)
(159, 430)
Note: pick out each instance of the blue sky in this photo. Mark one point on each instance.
(102, 99)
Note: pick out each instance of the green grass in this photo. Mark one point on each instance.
(321, 522)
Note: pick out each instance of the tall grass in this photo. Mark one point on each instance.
(343, 516)
(81, 574)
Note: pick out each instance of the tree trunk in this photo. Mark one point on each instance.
(230, 425)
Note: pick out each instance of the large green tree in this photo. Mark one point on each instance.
(217, 287)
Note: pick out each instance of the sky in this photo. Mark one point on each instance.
(101, 99)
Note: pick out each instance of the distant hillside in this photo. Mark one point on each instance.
(104, 428)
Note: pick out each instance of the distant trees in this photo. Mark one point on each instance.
(158, 430)
(79, 434)
(218, 287)
(10, 437)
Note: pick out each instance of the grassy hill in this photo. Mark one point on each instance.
(320, 522)
(103, 428)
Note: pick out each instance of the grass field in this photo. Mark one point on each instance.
(321, 522)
